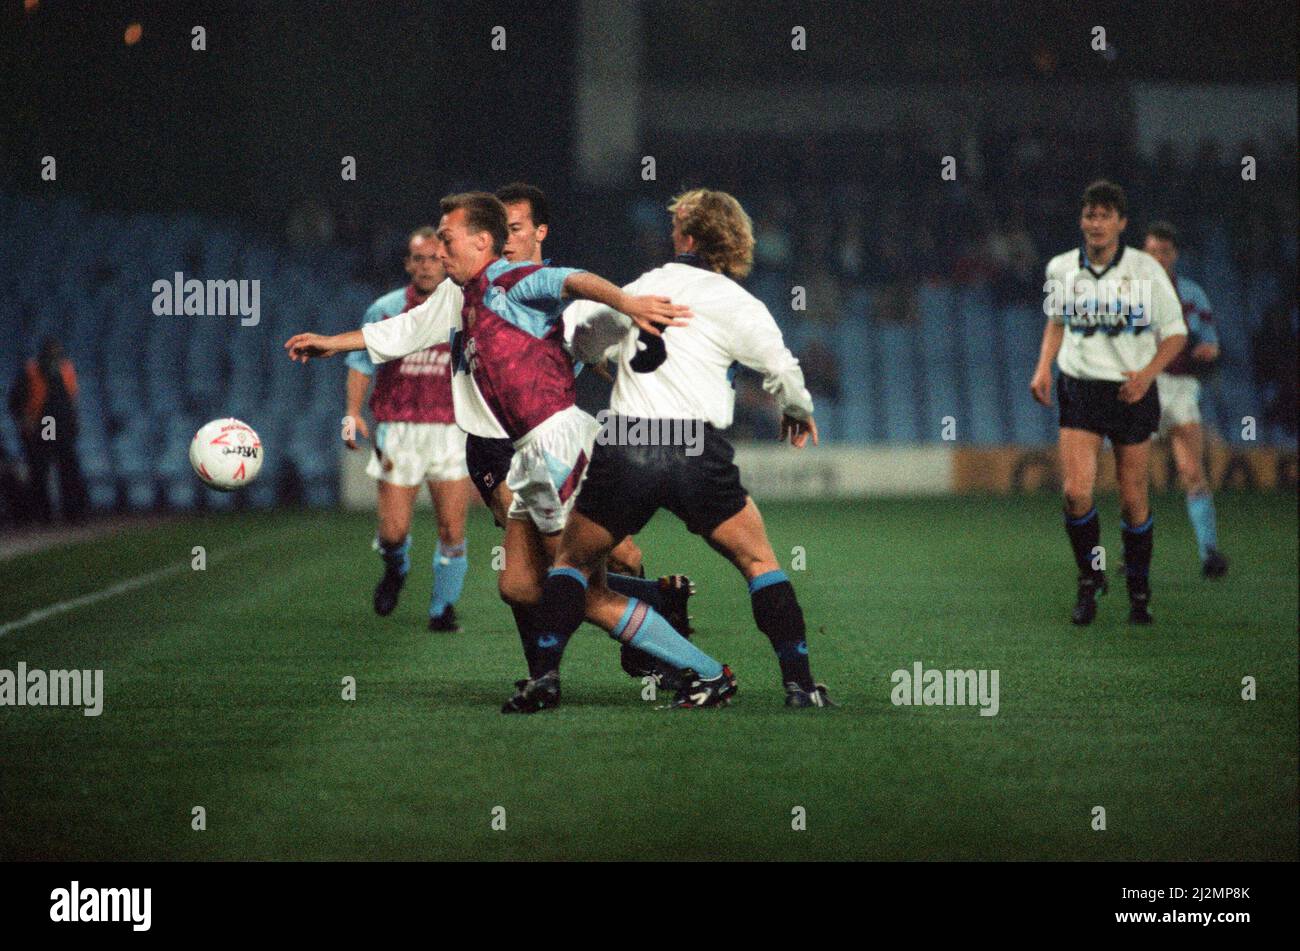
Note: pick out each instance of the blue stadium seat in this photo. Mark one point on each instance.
(1022, 328)
(979, 345)
(941, 369)
(899, 392)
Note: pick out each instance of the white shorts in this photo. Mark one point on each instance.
(411, 453)
(1180, 400)
(548, 468)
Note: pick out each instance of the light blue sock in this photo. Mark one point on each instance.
(644, 628)
(396, 555)
(449, 567)
(1200, 509)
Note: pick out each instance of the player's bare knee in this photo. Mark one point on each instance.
(392, 529)
(1078, 500)
(1192, 478)
(627, 555)
(1134, 506)
(519, 591)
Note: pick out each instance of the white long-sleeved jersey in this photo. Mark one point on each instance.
(693, 378)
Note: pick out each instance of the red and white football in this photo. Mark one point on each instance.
(226, 454)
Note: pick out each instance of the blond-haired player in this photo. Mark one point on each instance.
(680, 382)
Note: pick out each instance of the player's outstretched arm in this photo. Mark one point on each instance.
(649, 312)
(302, 347)
(384, 340)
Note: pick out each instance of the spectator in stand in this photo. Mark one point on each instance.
(43, 402)
(772, 245)
(1012, 259)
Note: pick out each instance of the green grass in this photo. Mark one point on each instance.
(223, 690)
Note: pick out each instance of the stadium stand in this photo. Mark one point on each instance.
(924, 305)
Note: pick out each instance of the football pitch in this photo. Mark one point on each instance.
(223, 689)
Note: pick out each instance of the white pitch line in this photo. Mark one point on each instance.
(112, 591)
(40, 614)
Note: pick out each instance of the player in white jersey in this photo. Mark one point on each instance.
(1180, 398)
(1113, 324)
(662, 446)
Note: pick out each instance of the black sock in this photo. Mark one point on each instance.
(561, 611)
(777, 613)
(1085, 537)
(1139, 543)
(527, 626)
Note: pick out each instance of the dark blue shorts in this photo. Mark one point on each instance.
(1095, 406)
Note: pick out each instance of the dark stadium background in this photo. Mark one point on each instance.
(924, 301)
(226, 163)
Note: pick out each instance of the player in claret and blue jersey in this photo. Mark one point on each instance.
(1180, 397)
(416, 440)
(489, 459)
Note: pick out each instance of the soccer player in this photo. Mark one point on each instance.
(1180, 397)
(527, 224)
(416, 440)
(680, 383)
(1113, 324)
(512, 377)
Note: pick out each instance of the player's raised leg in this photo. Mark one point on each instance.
(669, 595)
(1079, 451)
(576, 589)
(1132, 472)
(626, 558)
(450, 561)
(742, 539)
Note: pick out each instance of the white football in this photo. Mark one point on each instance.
(226, 454)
